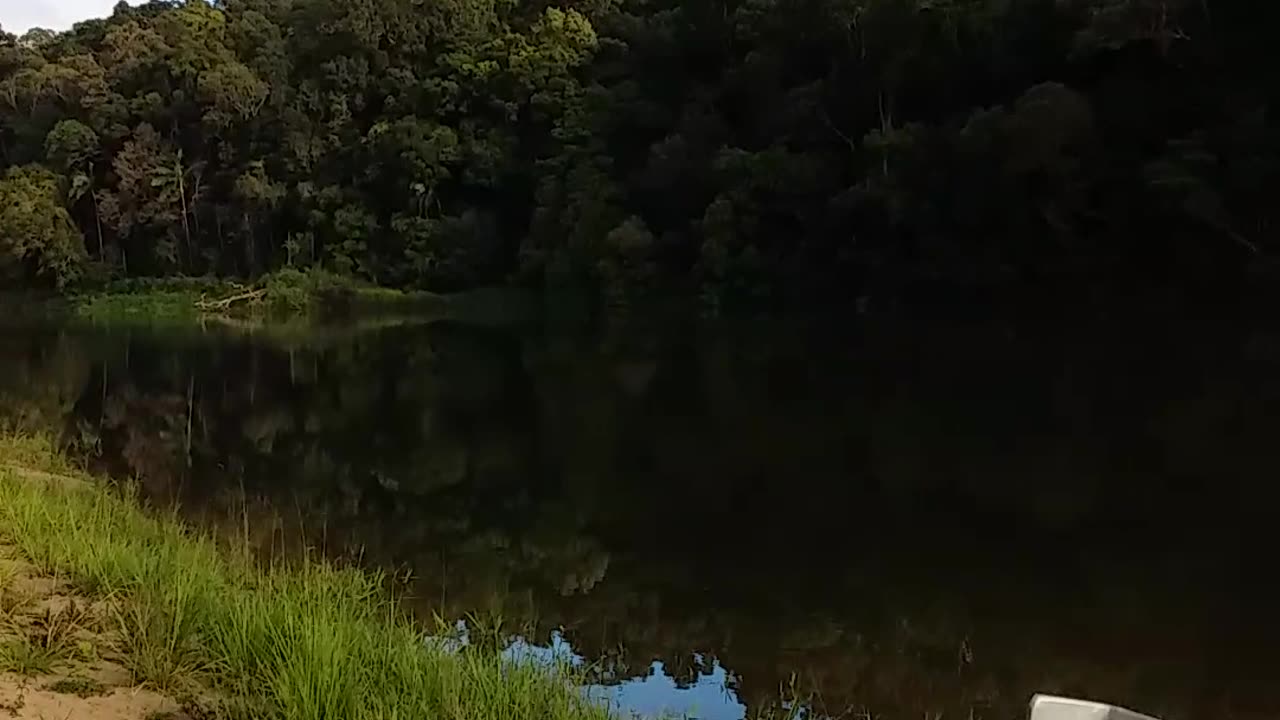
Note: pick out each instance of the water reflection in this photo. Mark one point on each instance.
(655, 693)
(719, 519)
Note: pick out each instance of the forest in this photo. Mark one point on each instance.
(747, 151)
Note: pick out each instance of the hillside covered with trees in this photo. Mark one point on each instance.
(742, 150)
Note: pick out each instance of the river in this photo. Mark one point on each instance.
(726, 520)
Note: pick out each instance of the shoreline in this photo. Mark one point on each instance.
(285, 295)
(288, 308)
(205, 629)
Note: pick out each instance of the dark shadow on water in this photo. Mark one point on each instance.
(722, 518)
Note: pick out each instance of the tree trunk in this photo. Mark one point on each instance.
(97, 219)
(252, 249)
(222, 241)
(886, 124)
(182, 196)
(191, 391)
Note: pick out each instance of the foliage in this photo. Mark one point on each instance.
(38, 241)
(308, 642)
(34, 451)
(287, 295)
(752, 149)
(298, 291)
(155, 306)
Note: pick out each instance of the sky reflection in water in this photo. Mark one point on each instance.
(710, 697)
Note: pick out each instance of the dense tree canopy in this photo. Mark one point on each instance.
(745, 149)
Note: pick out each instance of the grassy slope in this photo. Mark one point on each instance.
(309, 641)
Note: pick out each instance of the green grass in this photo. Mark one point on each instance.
(312, 291)
(13, 600)
(21, 656)
(34, 451)
(46, 642)
(156, 306)
(145, 300)
(79, 686)
(286, 293)
(309, 641)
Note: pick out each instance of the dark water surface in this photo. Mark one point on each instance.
(718, 519)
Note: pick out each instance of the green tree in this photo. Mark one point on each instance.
(71, 146)
(38, 240)
(766, 151)
(151, 202)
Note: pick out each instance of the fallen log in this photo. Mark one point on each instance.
(227, 302)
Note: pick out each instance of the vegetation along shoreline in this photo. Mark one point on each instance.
(94, 587)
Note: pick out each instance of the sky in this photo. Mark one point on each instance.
(19, 16)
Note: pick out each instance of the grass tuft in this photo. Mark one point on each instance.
(36, 452)
(40, 646)
(79, 686)
(159, 639)
(56, 630)
(310, 641)
(21, 656)
(14, 600)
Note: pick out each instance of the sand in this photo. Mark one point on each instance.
(86, 685)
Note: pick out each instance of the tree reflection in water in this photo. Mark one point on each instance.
(724, 519)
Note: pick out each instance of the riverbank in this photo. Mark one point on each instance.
(282, 295)
(92, 584)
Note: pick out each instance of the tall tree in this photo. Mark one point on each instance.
(38, 241)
